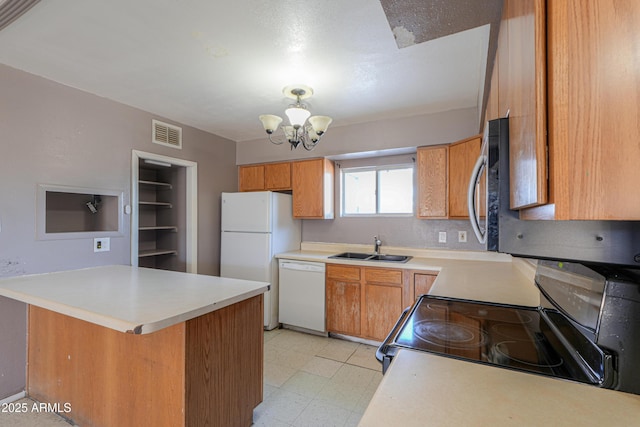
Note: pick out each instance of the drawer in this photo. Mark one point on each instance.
(344, 272)
(383, 275)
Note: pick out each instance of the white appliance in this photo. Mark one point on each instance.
(302, 298)
(255, 227)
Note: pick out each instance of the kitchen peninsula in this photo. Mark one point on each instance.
(121, 345)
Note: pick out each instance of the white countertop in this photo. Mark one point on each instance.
(129, 299)
(480, 276)
(424, 389)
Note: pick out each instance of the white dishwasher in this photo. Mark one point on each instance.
(302, 300)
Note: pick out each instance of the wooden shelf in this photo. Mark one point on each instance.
(164, 185)
(160, 204)
(159, 227)
(156, 252)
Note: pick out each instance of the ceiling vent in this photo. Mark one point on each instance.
(10, 10)
(166, 134)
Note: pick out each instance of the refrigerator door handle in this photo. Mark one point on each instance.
(474, 215)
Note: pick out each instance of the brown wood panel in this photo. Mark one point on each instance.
(383, 275)
(312, 186)
(383, 305)
(277, 176)
(462, 157)
(344, 272)
(432, 163)
(224, 365)
(493, 102)
(108, 377)
(526, 93)
(343, 307)
(594, 79)
(422, 283)
(251, 178)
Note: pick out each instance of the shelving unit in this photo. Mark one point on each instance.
(159, 208)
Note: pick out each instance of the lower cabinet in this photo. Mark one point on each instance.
(365, 302)
(422, 282)
(343, 293)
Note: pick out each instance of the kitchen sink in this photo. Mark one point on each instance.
(392, 258)
(370, 257)
(351, 255)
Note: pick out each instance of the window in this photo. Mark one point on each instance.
(381, 190)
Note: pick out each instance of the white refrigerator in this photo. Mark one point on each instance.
(255, 227)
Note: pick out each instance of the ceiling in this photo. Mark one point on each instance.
(216, 65)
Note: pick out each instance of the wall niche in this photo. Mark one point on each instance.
(65, 212)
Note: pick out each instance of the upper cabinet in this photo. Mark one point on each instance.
(518, 88)
(433, 193)
(444, 172)
(594, 109)
(312, 182)
(462, 158)
(263, 177)
(570, 67)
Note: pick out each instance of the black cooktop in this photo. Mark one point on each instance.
(540, 341)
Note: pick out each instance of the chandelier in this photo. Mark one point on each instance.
(301, 129)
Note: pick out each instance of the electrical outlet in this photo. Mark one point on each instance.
(442, 237)
(462, 236)
(101, 244)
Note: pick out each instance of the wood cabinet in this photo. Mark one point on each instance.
(433, 165)
(566, 72)
(594, 79)
(265, 177)
(443, 178)
(518, 88)
(462, 157)
(422, 282)
(312, 184)
(385, 296)
(204, 371)
(343, 294)
(365, 301)
(277, 176)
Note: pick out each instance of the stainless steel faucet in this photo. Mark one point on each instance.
(378, 243)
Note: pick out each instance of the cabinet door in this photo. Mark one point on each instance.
(312, 184)
(277, 176)
(594, 108)
(422, 283)
(383, 301)
(251, 178)
(526, 100)
(343, 307)
(384, 307)
(462, 158)
(433, 192)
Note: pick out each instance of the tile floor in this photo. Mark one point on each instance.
(308, 381)
(315, 381)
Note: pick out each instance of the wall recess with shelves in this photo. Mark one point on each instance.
(164, 213)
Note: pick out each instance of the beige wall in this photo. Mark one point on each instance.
(54, 134)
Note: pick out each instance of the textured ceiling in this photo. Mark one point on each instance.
(217, 65)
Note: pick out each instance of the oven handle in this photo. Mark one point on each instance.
(381, 352)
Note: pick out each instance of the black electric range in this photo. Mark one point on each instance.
(586, 329)
(521, 338)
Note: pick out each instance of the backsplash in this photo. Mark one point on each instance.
(392, 231)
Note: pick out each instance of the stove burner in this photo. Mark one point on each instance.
(503, 353)
(450, 335)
